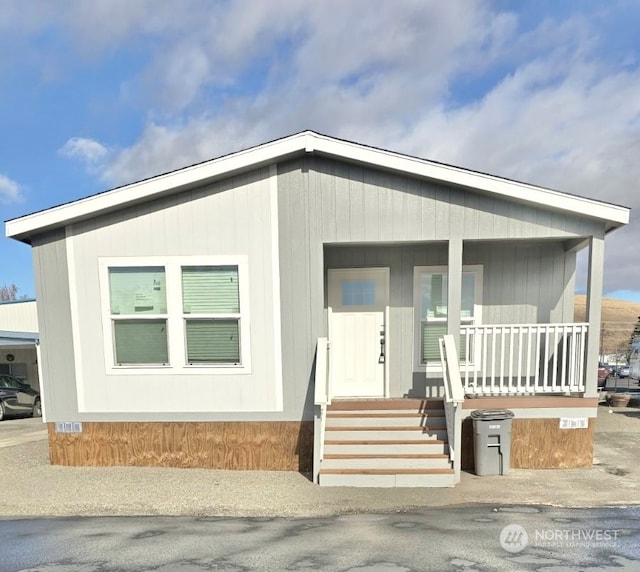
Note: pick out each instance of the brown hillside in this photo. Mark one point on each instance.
(618, 320)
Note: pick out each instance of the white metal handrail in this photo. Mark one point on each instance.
(524, 359)
(453, 399)
(322, 398)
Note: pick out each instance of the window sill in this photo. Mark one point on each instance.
(183, 370)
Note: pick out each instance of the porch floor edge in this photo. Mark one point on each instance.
(524, 402)
(416, 404)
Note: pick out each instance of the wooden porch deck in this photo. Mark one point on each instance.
(529, 401)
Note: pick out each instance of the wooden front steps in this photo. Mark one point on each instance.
(386, 443)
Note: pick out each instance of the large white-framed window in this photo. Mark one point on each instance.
(430, 303)
(211, 307)
(138, 315)
(176, 314)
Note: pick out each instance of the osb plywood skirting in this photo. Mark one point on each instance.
(271, 446)
(539, 444)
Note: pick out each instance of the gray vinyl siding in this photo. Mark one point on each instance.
(58, 382)
(330, 214)
(528, 274)
(231, 217)
(521, 284)
(358, 204)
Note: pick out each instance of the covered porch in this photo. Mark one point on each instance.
(509, 306)
(459, 290)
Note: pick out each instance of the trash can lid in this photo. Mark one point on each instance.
(492, 414)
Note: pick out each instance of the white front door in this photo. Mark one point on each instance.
(358, 300)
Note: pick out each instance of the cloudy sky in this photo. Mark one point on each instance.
(101, 93)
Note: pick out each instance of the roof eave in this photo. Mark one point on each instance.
(19, 337)
(24, 228)
(522, 192)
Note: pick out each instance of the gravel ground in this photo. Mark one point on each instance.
(30, 486)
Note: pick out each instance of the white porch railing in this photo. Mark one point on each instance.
(322, 398)
(453, 399)
(523, 359)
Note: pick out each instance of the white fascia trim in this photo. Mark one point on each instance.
(458, 176)
(148, 188)
(309, 141)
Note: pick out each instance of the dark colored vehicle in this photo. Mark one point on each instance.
(603, 374)
(18, 399)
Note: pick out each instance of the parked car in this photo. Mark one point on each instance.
(624, 371)
(603, 375)
(18, 399)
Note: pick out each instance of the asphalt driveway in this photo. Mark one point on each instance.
(462, 539)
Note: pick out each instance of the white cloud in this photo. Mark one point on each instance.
(87, 150)
(460, 82)
(10, 191)
(346, 70)
(163, 148)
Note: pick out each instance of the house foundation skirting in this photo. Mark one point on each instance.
(539, 443)
(270, 446)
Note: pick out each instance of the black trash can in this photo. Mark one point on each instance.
(492, 440)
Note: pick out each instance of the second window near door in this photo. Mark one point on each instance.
(431, 309)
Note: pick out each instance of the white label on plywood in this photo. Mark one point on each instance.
(574, 423)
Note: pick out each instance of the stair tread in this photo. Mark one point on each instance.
(383, 428)
(386, 456)
(386, 471)
(382, 404)
(377, 415)
(385, 441)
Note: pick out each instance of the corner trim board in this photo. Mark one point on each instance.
(75, 323)
(275, 267)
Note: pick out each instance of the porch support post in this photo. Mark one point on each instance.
(594, 313)
(454, 290)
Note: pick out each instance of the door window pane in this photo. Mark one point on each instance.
(213, 341)
(140, 342)
(358, 292)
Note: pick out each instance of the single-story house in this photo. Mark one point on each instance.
(318, 305)
(19, 340)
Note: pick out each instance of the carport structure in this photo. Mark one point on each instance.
(19, 341)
